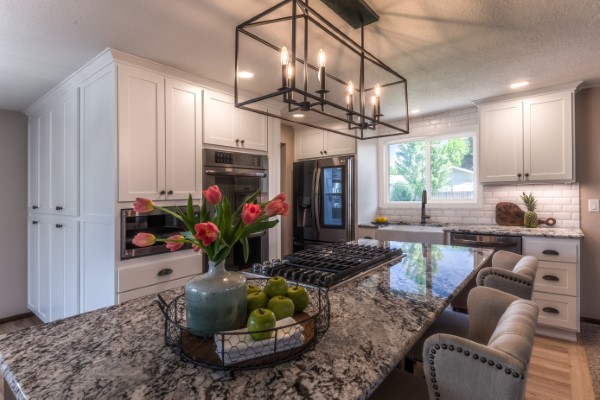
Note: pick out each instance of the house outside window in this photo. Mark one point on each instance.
(445, 166)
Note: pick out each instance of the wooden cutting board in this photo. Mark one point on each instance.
(510, 214)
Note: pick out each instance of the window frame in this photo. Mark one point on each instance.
(384, 188)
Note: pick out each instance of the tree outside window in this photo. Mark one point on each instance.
(444, 167)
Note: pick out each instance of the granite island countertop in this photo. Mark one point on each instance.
(119, 351)
(540, 231)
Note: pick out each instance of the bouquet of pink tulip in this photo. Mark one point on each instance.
(216, 234)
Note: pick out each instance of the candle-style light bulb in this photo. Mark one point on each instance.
(290, 71)
(374, 106)
(285, 56)
(285, 60)
(378, 100)
(350, 88)
(321, 60)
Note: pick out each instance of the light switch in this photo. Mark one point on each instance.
(593, 205)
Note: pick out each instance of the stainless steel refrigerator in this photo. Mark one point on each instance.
(323, 201)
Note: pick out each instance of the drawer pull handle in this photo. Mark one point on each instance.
(59, 208)
(550, 310)
(550, 252)
(34, 222)
(59, 225)
(165, 272)
(550, 278)
(35, 207)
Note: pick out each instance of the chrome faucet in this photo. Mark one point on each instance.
(424, 216)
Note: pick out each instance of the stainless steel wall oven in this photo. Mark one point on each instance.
(239, 175)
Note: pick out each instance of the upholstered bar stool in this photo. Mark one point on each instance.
(511, 273)
(492, 364)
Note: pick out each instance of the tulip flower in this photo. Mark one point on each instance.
(174, 242)
(207, 232)
(280, 196)
(213, 195)
(196, 248)
(143, 239)
(250, 213)
(276, 207)
(142, 205)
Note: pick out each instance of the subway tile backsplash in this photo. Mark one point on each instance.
(559, 201)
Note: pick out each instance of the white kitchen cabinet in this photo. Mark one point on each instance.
(366, 233)
(54, 156)
(556, 286)
(527, 140)
(53, 267)
(226, 125)
(160, 125)
(313, 143)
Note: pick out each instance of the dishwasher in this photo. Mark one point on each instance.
(497, 242)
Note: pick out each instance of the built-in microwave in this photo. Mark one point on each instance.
(157, 222)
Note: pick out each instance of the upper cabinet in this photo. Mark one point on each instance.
(226, 125)
(527, 140)
(54, 156)
(160, 136)
(314, 143)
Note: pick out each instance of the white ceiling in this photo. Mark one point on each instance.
(451, 52)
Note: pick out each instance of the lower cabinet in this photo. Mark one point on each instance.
(53, 267)
(556, 286)
(366, 233)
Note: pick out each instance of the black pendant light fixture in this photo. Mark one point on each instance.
(322, 78)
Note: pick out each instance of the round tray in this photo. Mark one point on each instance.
(230, 351)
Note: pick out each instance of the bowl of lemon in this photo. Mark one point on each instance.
(380, 220)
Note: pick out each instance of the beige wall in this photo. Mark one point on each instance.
(587, 125)
(13, 213)
(287, 161)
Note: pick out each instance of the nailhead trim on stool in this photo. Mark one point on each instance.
(444, 346)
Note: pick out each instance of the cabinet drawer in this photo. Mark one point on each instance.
(551, 249)
(160, 287)
(557, 310)
(556, 277)
(152, 273)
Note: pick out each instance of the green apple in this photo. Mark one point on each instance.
(252, 289)
(276, 286)
(260, 320)
(299, 296)
(256, 300)
(281, 306)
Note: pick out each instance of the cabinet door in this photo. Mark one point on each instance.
(34, 163)
(44, 162)
(33, 264)
(501, 142)
(218, 119)
(548, 137)
(251, 129)
(64, 155)
(43, 268)
(309, 144)
(141, 134)
(64, 268)
(183, 140)
(339, 144)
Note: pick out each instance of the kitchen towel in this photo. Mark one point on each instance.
(239, 346)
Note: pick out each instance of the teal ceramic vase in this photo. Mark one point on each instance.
(215, 301)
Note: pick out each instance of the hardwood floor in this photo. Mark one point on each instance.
(558, 370)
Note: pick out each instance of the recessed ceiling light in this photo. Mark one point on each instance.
(245, 74)
(298, 115)
(415, 111)
(517, 85)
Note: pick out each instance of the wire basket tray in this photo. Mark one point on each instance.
(233, 351)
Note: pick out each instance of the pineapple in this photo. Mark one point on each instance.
(531, 218)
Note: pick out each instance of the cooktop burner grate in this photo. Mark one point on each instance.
(327, 265)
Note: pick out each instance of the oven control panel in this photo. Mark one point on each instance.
(238, 159)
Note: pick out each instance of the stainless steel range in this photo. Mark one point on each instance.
(327, 265)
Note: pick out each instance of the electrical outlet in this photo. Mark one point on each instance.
(593, 205)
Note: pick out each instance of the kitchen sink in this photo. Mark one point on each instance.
(412, 233)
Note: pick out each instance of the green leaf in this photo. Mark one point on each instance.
(244, 242)
(204, 211)
(190, 209)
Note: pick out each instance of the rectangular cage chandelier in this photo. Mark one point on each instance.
(320, 77)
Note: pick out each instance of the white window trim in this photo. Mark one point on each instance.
(431, 204)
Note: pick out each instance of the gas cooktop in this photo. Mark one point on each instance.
(327, 265)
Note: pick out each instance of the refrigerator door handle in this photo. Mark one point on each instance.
(316, 202)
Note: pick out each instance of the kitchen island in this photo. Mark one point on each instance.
(119, 352)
